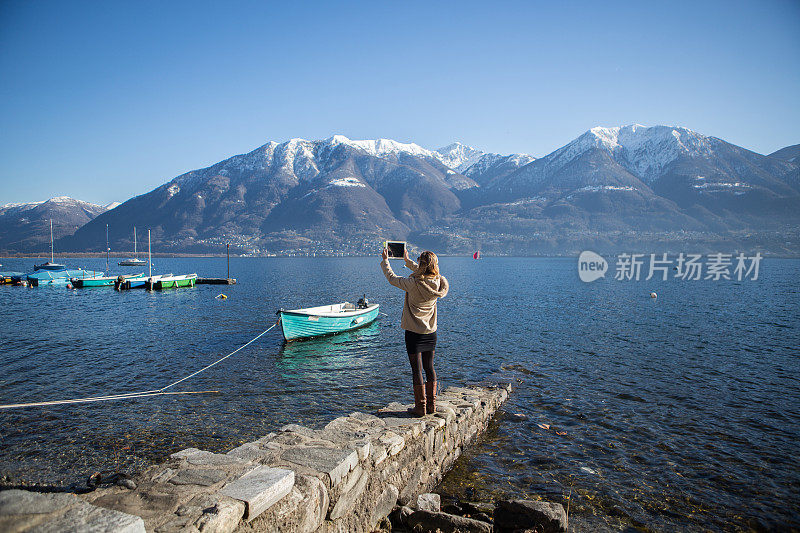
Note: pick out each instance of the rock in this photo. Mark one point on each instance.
(384, 503)
(446, 523)
(378, 454)
(478, 507)
(163, 476)
(223, 516)
(334, 462)
(183, 454)
(126, 482)
(483, 517)
(260, 488)
(87, 517)
(409, 492)
(429, 502)
(351, 492)
(452, 508)
(21, 502)
(528, 514)
(393, 442)
(192, 476)
(399, 516)
(202, 458)
(384, 524)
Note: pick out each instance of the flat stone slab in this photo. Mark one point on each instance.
(87, 518)
(19, 502)
(260, 488)
(332, 461)
(192, 476)
(22, 510)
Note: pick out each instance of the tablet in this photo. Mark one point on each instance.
(397, 249)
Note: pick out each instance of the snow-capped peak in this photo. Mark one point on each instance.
(382, 147)
(644, 150)
(459, 156)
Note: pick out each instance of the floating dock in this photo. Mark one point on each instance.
(215, 281)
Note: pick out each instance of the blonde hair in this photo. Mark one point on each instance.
(428, 265)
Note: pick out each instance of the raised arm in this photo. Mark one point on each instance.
(411, 265)
(393, 279)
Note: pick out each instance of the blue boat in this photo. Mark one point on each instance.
(9, 278)
(139, 282)
(326, 319)
(58, 277)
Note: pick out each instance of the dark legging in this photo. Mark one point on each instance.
(422, 361)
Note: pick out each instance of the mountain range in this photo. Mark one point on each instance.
(25, 227)
(609, 188)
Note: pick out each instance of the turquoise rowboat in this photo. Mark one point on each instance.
(102, 281)
(325, 320)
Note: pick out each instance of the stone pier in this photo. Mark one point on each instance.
(346, 476)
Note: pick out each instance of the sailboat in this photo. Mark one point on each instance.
(140, 281)
(134, 261)
(50, 265)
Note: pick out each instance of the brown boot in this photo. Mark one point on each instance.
(419, 401)
(430, 392)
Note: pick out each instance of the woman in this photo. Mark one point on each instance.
(422, 289)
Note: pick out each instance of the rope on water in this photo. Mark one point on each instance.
(140, 394)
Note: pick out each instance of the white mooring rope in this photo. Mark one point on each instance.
(140, 394)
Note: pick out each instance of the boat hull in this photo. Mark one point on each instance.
(93, 282)
(133, 263)
(138, 282)
(298, 325)
(10, 278)
(175, 282)
(61, 277)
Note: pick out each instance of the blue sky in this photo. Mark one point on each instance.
(106, 100)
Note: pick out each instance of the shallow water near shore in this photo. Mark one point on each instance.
(675, 413)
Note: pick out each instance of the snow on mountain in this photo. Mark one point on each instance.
(459, 157)
(478, 165)
(26, 226)
(382, 147)
(56, 201)
(642, 150)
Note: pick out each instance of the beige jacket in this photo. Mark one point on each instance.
(419, 309)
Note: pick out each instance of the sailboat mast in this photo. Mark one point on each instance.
(149, 259)
(135, 253)
(107, 249)
(51, 241)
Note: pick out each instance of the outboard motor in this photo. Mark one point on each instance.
(363, 303)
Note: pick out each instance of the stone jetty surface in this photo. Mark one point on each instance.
(346, 476)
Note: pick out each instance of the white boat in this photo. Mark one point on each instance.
(172, 282)
(50, 265)
(133, 261)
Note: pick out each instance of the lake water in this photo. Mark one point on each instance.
(675, 413)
